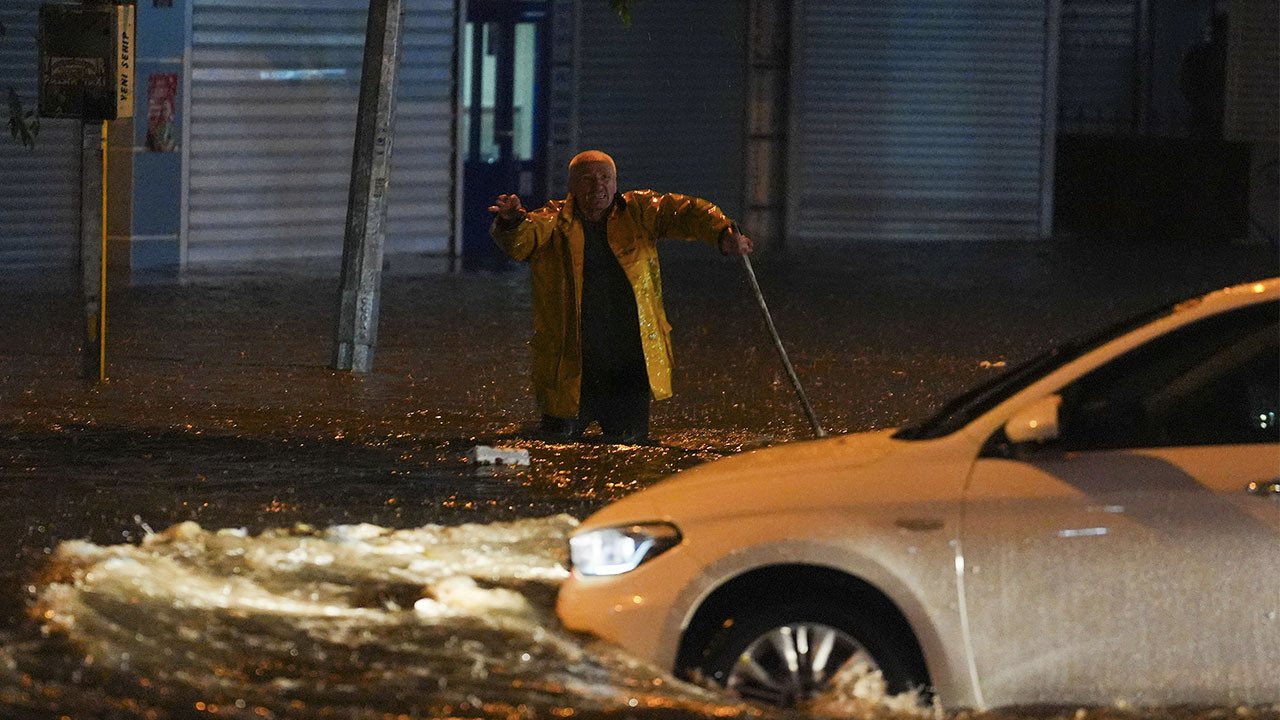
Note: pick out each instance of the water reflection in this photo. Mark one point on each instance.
(347, 562)
(346, 621)
(364, 621)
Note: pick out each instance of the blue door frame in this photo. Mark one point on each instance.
(504, 148)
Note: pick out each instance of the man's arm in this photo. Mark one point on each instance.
(691, 218)
(517, 238)
(509, 211)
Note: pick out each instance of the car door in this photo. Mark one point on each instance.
(1137, 556)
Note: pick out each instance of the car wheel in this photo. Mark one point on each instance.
(789, 654)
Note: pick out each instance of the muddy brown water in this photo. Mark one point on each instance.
(227, 527)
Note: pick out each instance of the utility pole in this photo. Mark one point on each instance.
(357, 330)
(93, 261)
(86, 73)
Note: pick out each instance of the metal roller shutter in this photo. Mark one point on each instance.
(1253, 82)
(919, 120)
(39, 188)
(666, 98)
(1097, 72)
(273, 105)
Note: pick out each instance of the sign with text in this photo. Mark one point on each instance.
(86, 61)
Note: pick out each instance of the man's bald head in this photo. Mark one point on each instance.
(591, 156)
(593, 181)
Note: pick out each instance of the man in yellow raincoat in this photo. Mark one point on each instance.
(601, 342)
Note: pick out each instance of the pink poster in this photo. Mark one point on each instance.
(162, 95)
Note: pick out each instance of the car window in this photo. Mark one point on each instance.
(1214, 382)
(961, 410)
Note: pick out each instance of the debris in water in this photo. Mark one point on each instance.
(485, 455)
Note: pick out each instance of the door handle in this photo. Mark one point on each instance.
(1271, 487)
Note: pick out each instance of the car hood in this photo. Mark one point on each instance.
(791, 476)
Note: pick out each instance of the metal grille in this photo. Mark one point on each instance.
(274, 90)
(1253, 73)
(917, 120)
(1097, 74)
(40, 188)
(666, 98)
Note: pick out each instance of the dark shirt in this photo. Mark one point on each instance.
(612, 357)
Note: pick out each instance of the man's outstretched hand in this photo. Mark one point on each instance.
(733, 242)
(508, 208)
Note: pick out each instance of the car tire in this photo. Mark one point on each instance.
(783, 653)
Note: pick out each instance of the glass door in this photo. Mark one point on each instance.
(505, 48)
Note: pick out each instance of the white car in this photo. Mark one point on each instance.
(1098, 525)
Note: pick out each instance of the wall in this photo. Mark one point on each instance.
(156, 198)
(666, 97)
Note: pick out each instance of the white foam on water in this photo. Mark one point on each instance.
(365, 621)
(857, 691)
(451, 619)
(463, 593)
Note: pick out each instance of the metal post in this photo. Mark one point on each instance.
(503, 37)
(93, 259)
(1049, 123)
(1142, 68)
(357, 329)
(782, 351)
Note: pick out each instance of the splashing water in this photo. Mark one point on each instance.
(361, 621)
(214, 414)
(355, 620)
(857, 691)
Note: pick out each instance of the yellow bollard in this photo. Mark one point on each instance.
(102, 262)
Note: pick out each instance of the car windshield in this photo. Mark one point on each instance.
(961, 410)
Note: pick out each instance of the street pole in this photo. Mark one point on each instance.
(782, 351)
(363, 241)
(93, 257)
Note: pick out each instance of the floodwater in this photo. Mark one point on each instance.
(227, 528)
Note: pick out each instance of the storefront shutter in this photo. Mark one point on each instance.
(666, 96)
(1097, 72)
(1253, 83)
(274, 90)
(919, 120)
(40, 187)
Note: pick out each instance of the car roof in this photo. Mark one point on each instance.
(1232, 296)
(964, 408)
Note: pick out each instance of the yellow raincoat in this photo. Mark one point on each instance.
(551, 238)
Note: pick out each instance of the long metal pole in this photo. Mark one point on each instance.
(782, 351)
(357, 330)
(93, 158)
(102, 264)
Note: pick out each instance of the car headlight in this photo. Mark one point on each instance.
(616, 550)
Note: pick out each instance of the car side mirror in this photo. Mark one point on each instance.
(1037, 422)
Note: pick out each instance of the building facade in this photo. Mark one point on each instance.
(814, 122)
